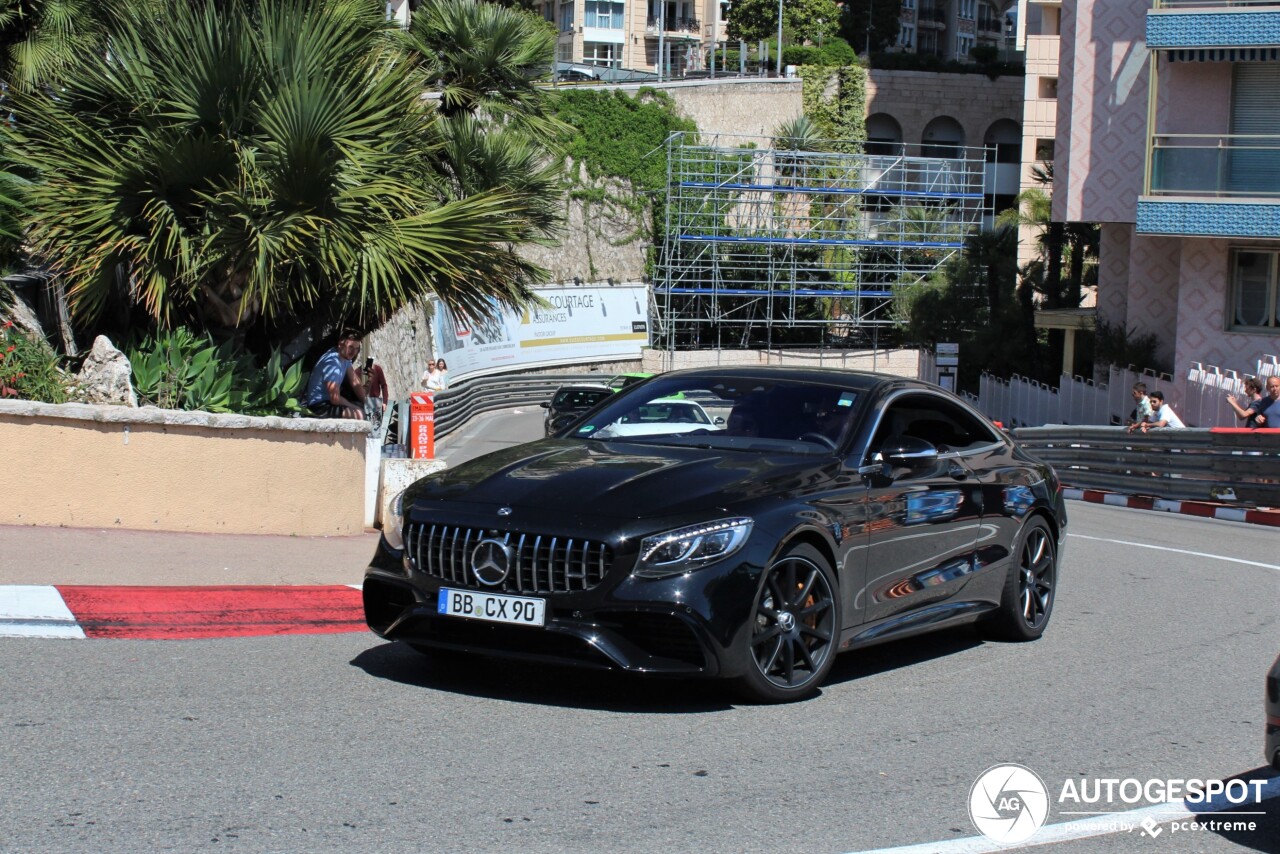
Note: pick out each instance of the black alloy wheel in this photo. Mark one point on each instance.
(794, 628)
(1027, 602)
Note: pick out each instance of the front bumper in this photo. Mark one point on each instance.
(683, 626)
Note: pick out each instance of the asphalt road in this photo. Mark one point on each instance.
(1153, 667)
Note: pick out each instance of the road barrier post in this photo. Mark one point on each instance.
(422, 426)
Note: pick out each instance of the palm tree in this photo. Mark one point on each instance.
(38, 38)
(486, 60)
(267, 164)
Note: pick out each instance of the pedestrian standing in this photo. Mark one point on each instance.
(1270, 415)
(1253, 393)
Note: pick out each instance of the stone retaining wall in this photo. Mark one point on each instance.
(85, 466)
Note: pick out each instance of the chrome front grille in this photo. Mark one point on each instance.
(542, 563)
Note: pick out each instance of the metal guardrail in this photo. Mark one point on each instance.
(469, 398)
(1241, 466)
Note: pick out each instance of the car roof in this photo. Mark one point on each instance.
(860, 380)
(583, 387)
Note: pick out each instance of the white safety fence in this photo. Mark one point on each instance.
(1205, 402)
(1022, 402)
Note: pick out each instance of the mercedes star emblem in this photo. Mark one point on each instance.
(490, 562)
(504, 511)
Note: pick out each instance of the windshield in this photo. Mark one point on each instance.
(733, 413)
(579, 398)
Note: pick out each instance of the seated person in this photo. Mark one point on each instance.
(742, 422)
(324, 397)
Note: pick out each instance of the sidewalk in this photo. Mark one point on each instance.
(32, 555)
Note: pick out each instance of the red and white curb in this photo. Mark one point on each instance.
(178, 613)
(1202, 509)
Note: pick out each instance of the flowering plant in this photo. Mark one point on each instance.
(29, 367)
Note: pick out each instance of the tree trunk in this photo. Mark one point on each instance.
(1053, 273)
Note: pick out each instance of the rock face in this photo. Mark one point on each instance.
(107, 376)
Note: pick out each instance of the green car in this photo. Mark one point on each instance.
(622, 381)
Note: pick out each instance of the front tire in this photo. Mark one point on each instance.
(1029, 591)
(795, 626)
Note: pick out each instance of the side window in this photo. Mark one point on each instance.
(936, 420)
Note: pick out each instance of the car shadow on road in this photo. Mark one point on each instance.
(870, 661)
(611, 691)
(542, 684)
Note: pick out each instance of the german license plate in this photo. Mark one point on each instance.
(494, 607)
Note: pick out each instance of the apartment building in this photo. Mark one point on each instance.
(1168, 134)
(1039, 27)
(640, 35)
(950, 29)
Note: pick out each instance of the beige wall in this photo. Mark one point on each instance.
(915, 98)
(148, 469)
(750, 109)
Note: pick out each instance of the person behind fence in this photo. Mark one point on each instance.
(324, 398)
(1269, 417)
(376, 392)
(1163, 414)
(1142, 409)
(1253, 393)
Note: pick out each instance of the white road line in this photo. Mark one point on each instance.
(1098, 825)
(36, 611)
(1179, 551)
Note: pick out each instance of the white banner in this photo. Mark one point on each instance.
(579, 324)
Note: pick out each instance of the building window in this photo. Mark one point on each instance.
(963, 45)
(602, 53)
(603, 15)
(1049, 87)
(1255, 301)
(566, 17)
(1044, 150)
(906, 36)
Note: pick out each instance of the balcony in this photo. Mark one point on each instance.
(1213, 186)
(673, 25)
(932, 16)
(990, 26)
(1213, 24)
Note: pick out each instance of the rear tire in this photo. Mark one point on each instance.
(795, 627)
(1027, 601)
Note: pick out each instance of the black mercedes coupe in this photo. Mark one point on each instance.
(819, 511)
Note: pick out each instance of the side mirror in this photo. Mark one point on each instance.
(719, 422)
(546, 404)
(908, 451)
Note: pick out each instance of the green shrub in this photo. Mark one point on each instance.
(29, 367)
(799, 54)
(178, 370)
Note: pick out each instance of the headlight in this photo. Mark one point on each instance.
(683, 549)
(393, 525)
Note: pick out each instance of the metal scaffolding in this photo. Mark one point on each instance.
(771, 247)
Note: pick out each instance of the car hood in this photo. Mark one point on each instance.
(619, 479)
